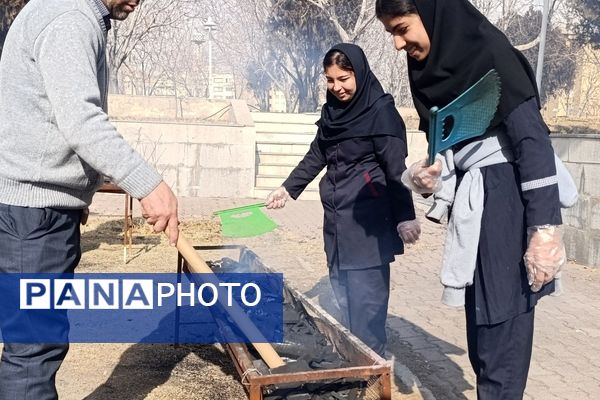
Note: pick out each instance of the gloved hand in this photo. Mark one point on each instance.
(409, 231)
(545, 255)
(277, 198)
(421, 178)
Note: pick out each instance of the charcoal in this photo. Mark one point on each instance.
(261, 367)
(289, 349)
(304, 349)
(299, 396)
(292, 366)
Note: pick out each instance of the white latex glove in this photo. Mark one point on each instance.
(545, 255)
(422, 178)
(277, 198)
(409, 231)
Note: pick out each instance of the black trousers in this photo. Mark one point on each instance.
(35, 240)
(363, 296)
(500, 355)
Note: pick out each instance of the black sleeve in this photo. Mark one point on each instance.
(391, 153)
(534, 157)
(307, 170)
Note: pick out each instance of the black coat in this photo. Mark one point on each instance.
(500, 290)
(362, 197)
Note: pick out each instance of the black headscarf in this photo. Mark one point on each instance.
(464, 46)
(370, 112)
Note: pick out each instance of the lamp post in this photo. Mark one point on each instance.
(199, 42)
(540, 61)
(210, 25)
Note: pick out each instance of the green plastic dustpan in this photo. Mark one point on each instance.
(245, 221)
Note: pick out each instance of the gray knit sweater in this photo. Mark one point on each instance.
(55, 137)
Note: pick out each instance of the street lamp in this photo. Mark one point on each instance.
(210, 25)
(199, 42)
(540, 61)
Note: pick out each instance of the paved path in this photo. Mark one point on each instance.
(426, 337)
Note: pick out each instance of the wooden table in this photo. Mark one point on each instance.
(109, 187)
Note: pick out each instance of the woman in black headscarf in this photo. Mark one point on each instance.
(450, 46)
(361, 139)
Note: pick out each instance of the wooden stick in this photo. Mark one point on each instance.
(198, 266)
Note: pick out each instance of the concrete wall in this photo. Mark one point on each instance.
(169, 108)
(581, 155)
(204, 158)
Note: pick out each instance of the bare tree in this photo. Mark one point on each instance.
(142, 70)
(587, 89)
(559, 66)
(278, 44)
(266, 54)
(585, 21)
(151, 17)
(388, 64)
(243, 48)
(350, 18)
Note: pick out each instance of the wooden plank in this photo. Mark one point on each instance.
(326, 374)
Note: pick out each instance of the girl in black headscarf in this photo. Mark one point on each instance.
(361, 139)
(450, 46)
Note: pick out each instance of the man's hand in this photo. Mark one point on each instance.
(159, 209)
(422, 178)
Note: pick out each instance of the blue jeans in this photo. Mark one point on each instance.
(35, 240)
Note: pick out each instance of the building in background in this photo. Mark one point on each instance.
(223, 86)
(277, 101)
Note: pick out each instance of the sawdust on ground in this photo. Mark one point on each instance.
(144, 371)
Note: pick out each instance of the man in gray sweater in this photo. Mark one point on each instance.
(56, 143)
